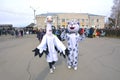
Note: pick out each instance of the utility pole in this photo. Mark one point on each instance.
(34, 14)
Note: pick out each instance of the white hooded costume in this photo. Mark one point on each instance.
(50, 41)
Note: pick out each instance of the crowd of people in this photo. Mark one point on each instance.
(89, 32)
(16, 32)
(93, 32)
(40, 33)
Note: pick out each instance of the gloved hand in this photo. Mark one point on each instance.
(36, 50)
(67, 52)
(61, 53)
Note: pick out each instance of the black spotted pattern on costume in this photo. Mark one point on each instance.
(68, 58)
(75, 62)
(76, 51)
(73, 48)
(75, 57)
(68, 44)
(75, 45)
(70, 49)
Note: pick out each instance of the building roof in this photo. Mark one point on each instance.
(94, 15)
(55, 14)
(47, 14)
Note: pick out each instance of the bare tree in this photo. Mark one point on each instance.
(115, 15)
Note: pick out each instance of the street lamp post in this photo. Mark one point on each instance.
(34, 13)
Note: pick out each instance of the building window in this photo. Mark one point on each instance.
(97, 20)
(82, 20)
(63, 20)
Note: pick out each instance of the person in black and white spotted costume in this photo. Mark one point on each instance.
(72, 38)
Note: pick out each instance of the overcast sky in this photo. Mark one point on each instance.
(19, 13)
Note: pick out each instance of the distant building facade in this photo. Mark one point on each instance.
(60, 20)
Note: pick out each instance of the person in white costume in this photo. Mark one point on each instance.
(49, 45)
(72, 37)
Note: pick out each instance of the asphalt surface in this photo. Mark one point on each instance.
(99, 59)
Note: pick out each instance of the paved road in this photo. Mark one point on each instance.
(99, 59)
